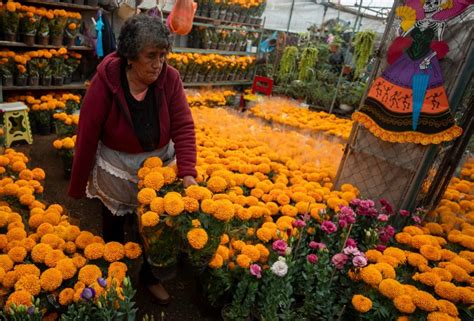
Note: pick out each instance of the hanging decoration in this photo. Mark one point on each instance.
(408, 102)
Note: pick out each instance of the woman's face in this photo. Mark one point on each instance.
(148, 65)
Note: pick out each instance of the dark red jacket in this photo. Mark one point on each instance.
(105, 117)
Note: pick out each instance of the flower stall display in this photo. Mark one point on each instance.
(44, 67)
(285, 112)
(209, 98)
(195, 67)
(39, 25)
(48, 266)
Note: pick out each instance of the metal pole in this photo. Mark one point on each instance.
(322, 31)
(289, 19)
(342, 69)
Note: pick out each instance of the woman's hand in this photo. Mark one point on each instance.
(188, 181)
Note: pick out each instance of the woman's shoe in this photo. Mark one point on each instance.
(160, 294)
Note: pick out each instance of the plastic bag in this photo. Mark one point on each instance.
(180, 20)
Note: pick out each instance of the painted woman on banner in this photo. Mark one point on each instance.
(408, 102)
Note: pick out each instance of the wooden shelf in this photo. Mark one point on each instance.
(60, 5)
(220, 21)
(72, 86)
(21, 44)
(217, 83)
(214, 51)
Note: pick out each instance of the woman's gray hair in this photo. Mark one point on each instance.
(140, 31)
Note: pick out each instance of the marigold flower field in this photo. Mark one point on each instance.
(266, 231)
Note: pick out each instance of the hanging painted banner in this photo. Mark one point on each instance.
(408, 102)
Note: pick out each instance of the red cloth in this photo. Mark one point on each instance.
(397, 48)
(105, 117)
(440, 47)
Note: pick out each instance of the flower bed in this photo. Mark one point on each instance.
(430, 273)
(286, 112)
(49, 267)
(209, 98)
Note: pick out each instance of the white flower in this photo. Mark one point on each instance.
(279, 268)
(288, 251)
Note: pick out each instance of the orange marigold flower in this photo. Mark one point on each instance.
(154, 180)
(251, 251)
(51, 279)
(439, 316)
(79, 261)
(243, 261)
(29, 283)
(448, 307)
(114, 251)
(173, 203)
(67, 268)
(448, 291)
(66, 296)
(52, 258)
(197, 238)
(146, 195)
(191, 205)
(6, 263)
(19, 298)
(458, 273)
(217, 184)
(17, 254)
(415, 259)
(373, 255)
(396, 253)
(94, 251)
(83, 239)
(223, 210)
(16, 234)
(26, 269)
(404, 304)
(425, 301)
(132, 250)
(265, 234)
(150, 219)
(216, 262)
(157, 205)
(391, 288)
(89, 274)
(53, 240)
(427, 278)
(153, 162)
(361, 303)
(371, 275)
(387, 271)
(430, 252)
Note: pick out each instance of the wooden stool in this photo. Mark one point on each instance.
(16, 122)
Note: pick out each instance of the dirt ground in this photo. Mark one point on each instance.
(186, 304)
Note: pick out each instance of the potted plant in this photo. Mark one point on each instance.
(33, 71)
(57, 26)
(6, 71)
(21, 75)
(214, 8)
(42, 35)
(29, 21)
(72, 28)
(44, 67)
(71, 63)
(10, 20)
(58, 66)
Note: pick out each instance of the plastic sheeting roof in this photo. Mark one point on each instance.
(307, 13)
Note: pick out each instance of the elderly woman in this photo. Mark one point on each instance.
(135, 108)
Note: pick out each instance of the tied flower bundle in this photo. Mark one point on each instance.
(49, 265)
(427, 273)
